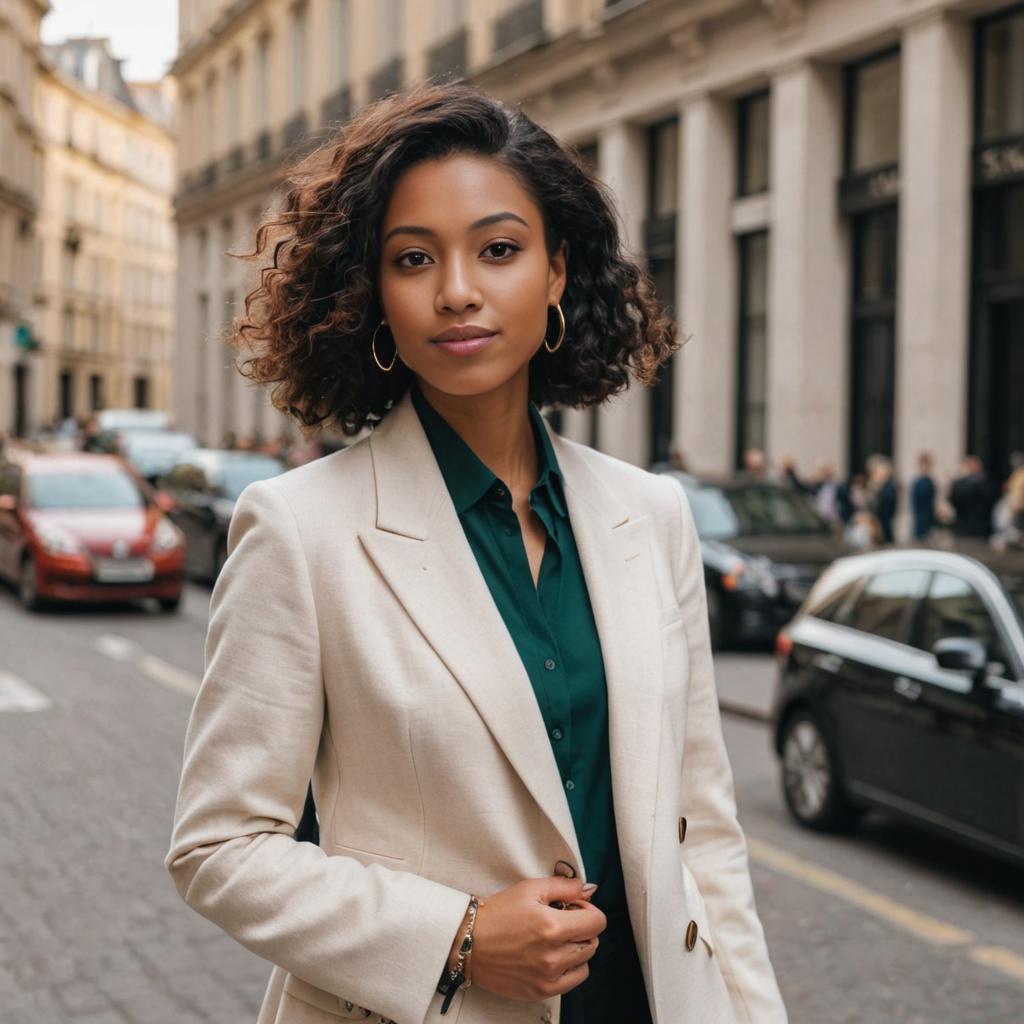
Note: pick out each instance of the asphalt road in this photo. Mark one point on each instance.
(886, 925)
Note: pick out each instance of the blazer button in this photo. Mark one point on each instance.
(691, 936)
(564, 868)
(682, 829)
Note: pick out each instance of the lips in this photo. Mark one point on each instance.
(464, 332)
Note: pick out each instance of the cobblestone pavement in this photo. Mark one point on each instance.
(92, 931)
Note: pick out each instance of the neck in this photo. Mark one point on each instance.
(496, 426)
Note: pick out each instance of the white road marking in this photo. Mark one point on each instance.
(16, 695)
(118, 648)
(121, 648)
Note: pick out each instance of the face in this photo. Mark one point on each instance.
(462, 243)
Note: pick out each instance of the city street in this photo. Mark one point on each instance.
(887, 925)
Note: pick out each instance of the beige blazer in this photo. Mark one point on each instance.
(353, 639)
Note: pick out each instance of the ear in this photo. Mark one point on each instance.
(557, 274)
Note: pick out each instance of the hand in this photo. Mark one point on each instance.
(525, 949)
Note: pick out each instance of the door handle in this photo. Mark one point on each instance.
(829, 662)
(907, 688)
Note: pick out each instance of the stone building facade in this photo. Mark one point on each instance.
(105, 319)
(20, 171)
(830, 195)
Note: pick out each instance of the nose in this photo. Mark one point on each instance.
(458, 290)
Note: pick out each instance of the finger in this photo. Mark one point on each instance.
(573, 978)
(586, 923)
(563, 889)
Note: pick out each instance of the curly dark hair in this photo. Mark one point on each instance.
(308, 324)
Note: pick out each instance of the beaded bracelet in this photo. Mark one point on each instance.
(457, 978)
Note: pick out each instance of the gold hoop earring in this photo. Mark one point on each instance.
(373, 349)
(561, 332)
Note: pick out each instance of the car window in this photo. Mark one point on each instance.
(954, 608)
(83, 490)
(1013, 584)
(886, 602)
(837, 608)
(762, 510)
(712, 514)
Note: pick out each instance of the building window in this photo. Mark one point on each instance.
(873, 113)
(1001, 77)
(752, 362)
(869, 195)
(519, 24)
(340, 41)
(660, 246)
(873, 356)
(995, 410)
(95, 392)
(140, 392)
(754, 129)
(262, 90)
(232, 111)
(66, 392)
(299, 57)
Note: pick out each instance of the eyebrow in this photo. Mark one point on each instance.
(491, 218)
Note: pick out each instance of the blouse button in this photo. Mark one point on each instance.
(569, 784)
(556, 733)
(549, 664)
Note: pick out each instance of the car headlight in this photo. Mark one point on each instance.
(167, 536)
(58, 541)
(754, 574)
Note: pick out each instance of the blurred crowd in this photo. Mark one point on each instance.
(865, 507)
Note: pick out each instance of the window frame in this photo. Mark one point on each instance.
(909, 615)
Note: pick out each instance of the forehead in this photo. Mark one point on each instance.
(452, 192)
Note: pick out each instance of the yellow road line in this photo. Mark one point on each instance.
(924, 926)
(930, 929)
(1001, 959)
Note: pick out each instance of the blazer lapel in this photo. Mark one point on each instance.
(420, 549)
(615, 552)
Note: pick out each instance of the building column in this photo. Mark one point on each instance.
(809, 281)
(933, 312)
(705, 368)
(622, 165)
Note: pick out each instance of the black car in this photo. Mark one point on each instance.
(200, 492)
(763, 544)
(901, 687)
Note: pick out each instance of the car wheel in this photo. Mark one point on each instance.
(170, 604)
(716, 620)
(810, 782)
(28, 585)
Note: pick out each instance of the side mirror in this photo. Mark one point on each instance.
(8, 503)
(962, 654)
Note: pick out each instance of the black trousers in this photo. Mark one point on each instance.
(614, 992)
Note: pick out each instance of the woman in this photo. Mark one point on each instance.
(486, 645)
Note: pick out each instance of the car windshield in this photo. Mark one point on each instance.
(239, 473)
(83, 490)
(753, 510)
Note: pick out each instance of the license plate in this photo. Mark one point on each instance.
(135, 570)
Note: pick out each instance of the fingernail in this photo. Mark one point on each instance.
(590, 887)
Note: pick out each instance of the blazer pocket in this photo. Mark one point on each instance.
(313, 996)
(697, 910)
(368, 856)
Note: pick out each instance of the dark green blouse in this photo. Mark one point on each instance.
(552, 626)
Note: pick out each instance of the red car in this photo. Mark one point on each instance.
(79, 527)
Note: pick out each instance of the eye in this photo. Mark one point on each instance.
(406, 255)
(503, 245)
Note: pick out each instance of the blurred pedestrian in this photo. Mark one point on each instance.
(755, 465)
(882, 495)
(822, 487)
(922, 498)
(1015, 495)
(973, 497)
(851, 498)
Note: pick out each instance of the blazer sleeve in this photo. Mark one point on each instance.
(715, 849)
(375, 936)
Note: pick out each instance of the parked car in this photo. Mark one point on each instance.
(901, 686)
(79, 527)
(200, 492)
(153, 452)
(763, 545)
